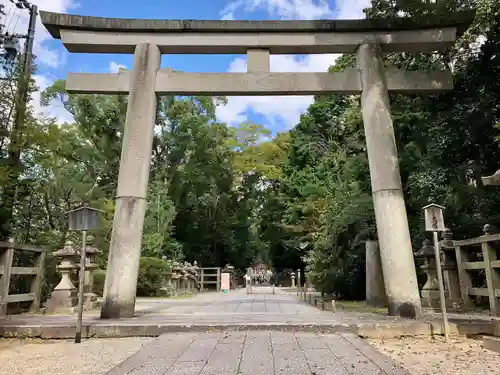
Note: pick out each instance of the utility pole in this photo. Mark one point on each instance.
(22, 88)
(15, 147)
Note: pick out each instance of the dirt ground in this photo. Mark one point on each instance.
(63, 357)
(460, 356)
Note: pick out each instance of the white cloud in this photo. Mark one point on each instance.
(17, 21)
(115, 67)
(284, 9)
(351, 9)
(285, 109)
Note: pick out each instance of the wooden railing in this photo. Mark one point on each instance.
(7, 269)
(481, 254)
(207, 275)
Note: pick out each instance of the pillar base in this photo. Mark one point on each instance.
(113, 309)
(408, 310)
(376, 302)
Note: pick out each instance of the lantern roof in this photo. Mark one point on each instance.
(433, 205)
(84, 206)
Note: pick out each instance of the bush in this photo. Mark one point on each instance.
(152, 274)
(99, 277)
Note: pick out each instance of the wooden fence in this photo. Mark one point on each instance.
(478, 264)
(8, 269)
(207, 276)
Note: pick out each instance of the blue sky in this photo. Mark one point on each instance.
(276, 113)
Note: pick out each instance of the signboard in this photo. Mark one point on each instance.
(224, 281)
(434, 220)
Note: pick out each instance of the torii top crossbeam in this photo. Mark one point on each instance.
(116, 35)
(257, 39)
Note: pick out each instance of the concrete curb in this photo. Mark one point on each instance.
(366, 330)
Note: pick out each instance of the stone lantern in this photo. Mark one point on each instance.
(430, 290)
(184, 278)
(176, 276)
(90, 298)
(292, 276)
(189, 277)
(64, 298)
(167, 289)
(196, 270)
(450, 271)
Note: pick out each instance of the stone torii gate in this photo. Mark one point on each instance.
(149, 39)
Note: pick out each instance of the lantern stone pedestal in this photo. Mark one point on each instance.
(64, 298)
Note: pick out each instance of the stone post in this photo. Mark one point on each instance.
(248, 280)
(292, 276)
(390, 212)
(126, 237)
(298, 282)
(375, 290)
(64, 297)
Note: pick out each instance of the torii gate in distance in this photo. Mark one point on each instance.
(149, 39)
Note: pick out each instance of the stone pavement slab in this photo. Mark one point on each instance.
(258, 353)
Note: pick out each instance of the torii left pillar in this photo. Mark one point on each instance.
(126, 238)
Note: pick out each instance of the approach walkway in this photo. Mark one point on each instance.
(257, 353)
(244, 350)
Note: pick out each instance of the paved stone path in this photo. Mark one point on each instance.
(233, 308)
(247, 351)
(257, 353)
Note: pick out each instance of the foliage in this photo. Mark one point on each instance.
(152, 273)
(99, 278)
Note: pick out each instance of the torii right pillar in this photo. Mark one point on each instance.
(396, 252)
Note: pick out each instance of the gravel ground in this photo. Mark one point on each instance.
(435, 357)
(91, 357)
